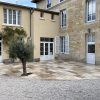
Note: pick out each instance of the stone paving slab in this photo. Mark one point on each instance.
(53, 70)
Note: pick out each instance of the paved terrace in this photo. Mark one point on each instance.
(58, 70)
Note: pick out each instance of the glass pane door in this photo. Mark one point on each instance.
(46, 49)
(41, 48)
(51, 48)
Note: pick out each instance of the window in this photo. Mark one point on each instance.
(91, 48)
(61, 0)
(91, 10)
(12, 17)
(62, 44)
(41, 14)
(43, 39)
(5, 16)
(63, 18)
(52, 16)
(91, 37)
(48, 3)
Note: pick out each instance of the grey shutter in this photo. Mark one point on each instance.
(57, 45)
(67, 44)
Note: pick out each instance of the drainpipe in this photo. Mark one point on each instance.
(30, 22)
(31, 34)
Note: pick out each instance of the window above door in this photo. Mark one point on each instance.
(90, 10)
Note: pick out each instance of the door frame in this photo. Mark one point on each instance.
(48, 51)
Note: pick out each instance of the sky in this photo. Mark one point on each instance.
(21, 2)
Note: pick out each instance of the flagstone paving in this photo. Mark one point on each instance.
(59, 70)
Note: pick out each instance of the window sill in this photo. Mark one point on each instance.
(42, 18)
(63, 28)
(63, 53)
(90, 22)
(52, 20)
(12, 25)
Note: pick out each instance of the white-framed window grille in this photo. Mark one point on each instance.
(63, 18)
(90, 10)
(12, 17)
(62, 44)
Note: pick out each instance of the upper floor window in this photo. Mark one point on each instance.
(48, 3)
(91, 10)
(12, 17)
(61, 0)
(63, 18)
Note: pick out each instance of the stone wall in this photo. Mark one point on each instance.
(77, 28)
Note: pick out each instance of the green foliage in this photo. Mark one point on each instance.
(9, 34)
(19, 49)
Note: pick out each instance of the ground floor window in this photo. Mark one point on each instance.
(62, 44)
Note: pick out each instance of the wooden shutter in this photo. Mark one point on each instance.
(67, 44)
(57, 45)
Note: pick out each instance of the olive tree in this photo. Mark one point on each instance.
(22, 50)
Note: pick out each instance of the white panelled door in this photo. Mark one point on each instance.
(91, 53)
(46, 49)
(90, 56)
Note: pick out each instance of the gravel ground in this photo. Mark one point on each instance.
(13, 88)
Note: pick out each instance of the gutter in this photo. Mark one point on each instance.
(31, 34)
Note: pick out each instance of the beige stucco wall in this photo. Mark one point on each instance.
(25, 23)
(43, 27)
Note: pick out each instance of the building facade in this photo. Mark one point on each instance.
(40, 25)
(79, 29)
(61, 29)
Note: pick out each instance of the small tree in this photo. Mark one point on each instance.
(21, 50)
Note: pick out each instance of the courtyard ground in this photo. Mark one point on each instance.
(58, 70)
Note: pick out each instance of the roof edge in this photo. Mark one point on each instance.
(32, 8)
(47, 11)
(36, 1)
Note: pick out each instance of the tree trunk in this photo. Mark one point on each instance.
(24, 68)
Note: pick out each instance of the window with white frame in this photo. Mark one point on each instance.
(48, 3)
(63, 18)
(62, 44)
(12, 17)
(91, 10)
